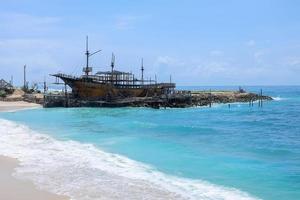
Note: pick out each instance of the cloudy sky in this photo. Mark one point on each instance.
(212, 42)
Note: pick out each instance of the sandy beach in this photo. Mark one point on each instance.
(12, 188)
(10, 106)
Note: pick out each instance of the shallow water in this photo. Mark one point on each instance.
(198, 153)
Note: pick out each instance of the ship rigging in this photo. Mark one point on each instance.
(112, 84)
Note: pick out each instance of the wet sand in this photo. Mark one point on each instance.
(14, 189)
(10, 187)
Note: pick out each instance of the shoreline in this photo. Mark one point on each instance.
(11, 187)
(15, 189)
(98, 173)
(12, 106)
(153, 184)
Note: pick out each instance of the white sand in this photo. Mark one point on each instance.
(14, 189)
(10, 106)
(10, 187)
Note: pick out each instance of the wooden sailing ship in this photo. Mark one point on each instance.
(112, 84)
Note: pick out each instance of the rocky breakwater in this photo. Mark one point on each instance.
(178, 99)
(204, 98)
(183, 99)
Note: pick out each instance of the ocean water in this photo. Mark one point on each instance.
(239, 152)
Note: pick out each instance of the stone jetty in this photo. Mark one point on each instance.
(178, 99)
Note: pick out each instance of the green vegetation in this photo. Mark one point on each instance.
(32, 89)
(3, 93)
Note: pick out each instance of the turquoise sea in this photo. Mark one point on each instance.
(239, 152)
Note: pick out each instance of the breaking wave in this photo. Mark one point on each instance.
(278, 98)
(85, 172)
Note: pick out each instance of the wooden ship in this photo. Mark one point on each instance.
(112, 84)
(115, 88)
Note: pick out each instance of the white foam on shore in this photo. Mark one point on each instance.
(85, 172)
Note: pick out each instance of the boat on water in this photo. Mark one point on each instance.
(113, 83)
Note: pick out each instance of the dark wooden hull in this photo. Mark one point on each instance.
(91, 90)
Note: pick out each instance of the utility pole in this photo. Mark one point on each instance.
(25, 84)
(11, 80)
(45, 85)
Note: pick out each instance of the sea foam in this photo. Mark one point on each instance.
(278, 98)
(85, 172)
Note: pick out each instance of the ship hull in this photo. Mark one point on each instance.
(91, 90)
(96, 90)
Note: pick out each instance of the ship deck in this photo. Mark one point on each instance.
(117, 83)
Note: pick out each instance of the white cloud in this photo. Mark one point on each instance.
(125, 22)
(258, 54)
(26, 23)
(167, 60)
(213, 67)
(216, 53)
(220, 70)
(42, 56)
(293, 61)
(35, 52)
(193, 69)
(251, 43)
(22, 43)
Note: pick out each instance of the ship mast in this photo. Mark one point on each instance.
(112, 66)
(87, 53)
(142, 69)
(88, 69)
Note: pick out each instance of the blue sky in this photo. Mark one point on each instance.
(209, 42)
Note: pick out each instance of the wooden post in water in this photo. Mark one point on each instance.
(258, 99)
(210, 98)
(261, 98)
